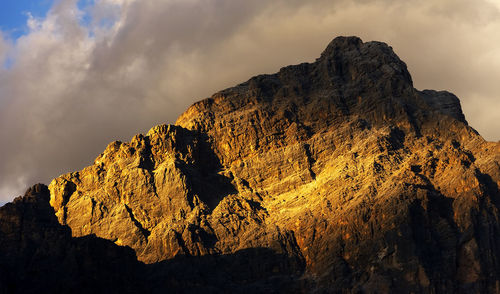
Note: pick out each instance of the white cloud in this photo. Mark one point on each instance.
(76, 85)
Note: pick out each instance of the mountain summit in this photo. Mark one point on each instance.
(332, 176)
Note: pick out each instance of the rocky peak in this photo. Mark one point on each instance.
(341, 44)
(350, 78)
(359, 181)
(351, 82)
(348, 58)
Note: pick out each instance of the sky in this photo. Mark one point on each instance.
(76, 75)
(13, 15)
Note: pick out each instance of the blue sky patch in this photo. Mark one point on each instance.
(85, 5)
(14, 15)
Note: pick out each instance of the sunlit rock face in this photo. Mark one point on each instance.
(363, 182)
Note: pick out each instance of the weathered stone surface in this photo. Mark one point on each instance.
(349, 177)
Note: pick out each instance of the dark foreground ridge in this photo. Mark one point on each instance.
(326, 177)
(39, 255)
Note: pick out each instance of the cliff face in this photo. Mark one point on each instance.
(356, 180)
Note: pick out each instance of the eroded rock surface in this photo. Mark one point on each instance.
(361, 181)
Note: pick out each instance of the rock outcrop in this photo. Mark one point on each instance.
(340, 170)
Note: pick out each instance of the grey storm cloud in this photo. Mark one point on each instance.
(83, 77)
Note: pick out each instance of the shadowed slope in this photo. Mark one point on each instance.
(38, 254)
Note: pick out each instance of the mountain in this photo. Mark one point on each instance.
(326, 177)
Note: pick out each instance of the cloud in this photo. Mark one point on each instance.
(88, 74)
(4, 48)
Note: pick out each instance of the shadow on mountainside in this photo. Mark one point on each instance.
(38, 254)
(204, 177)
(194, 158)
